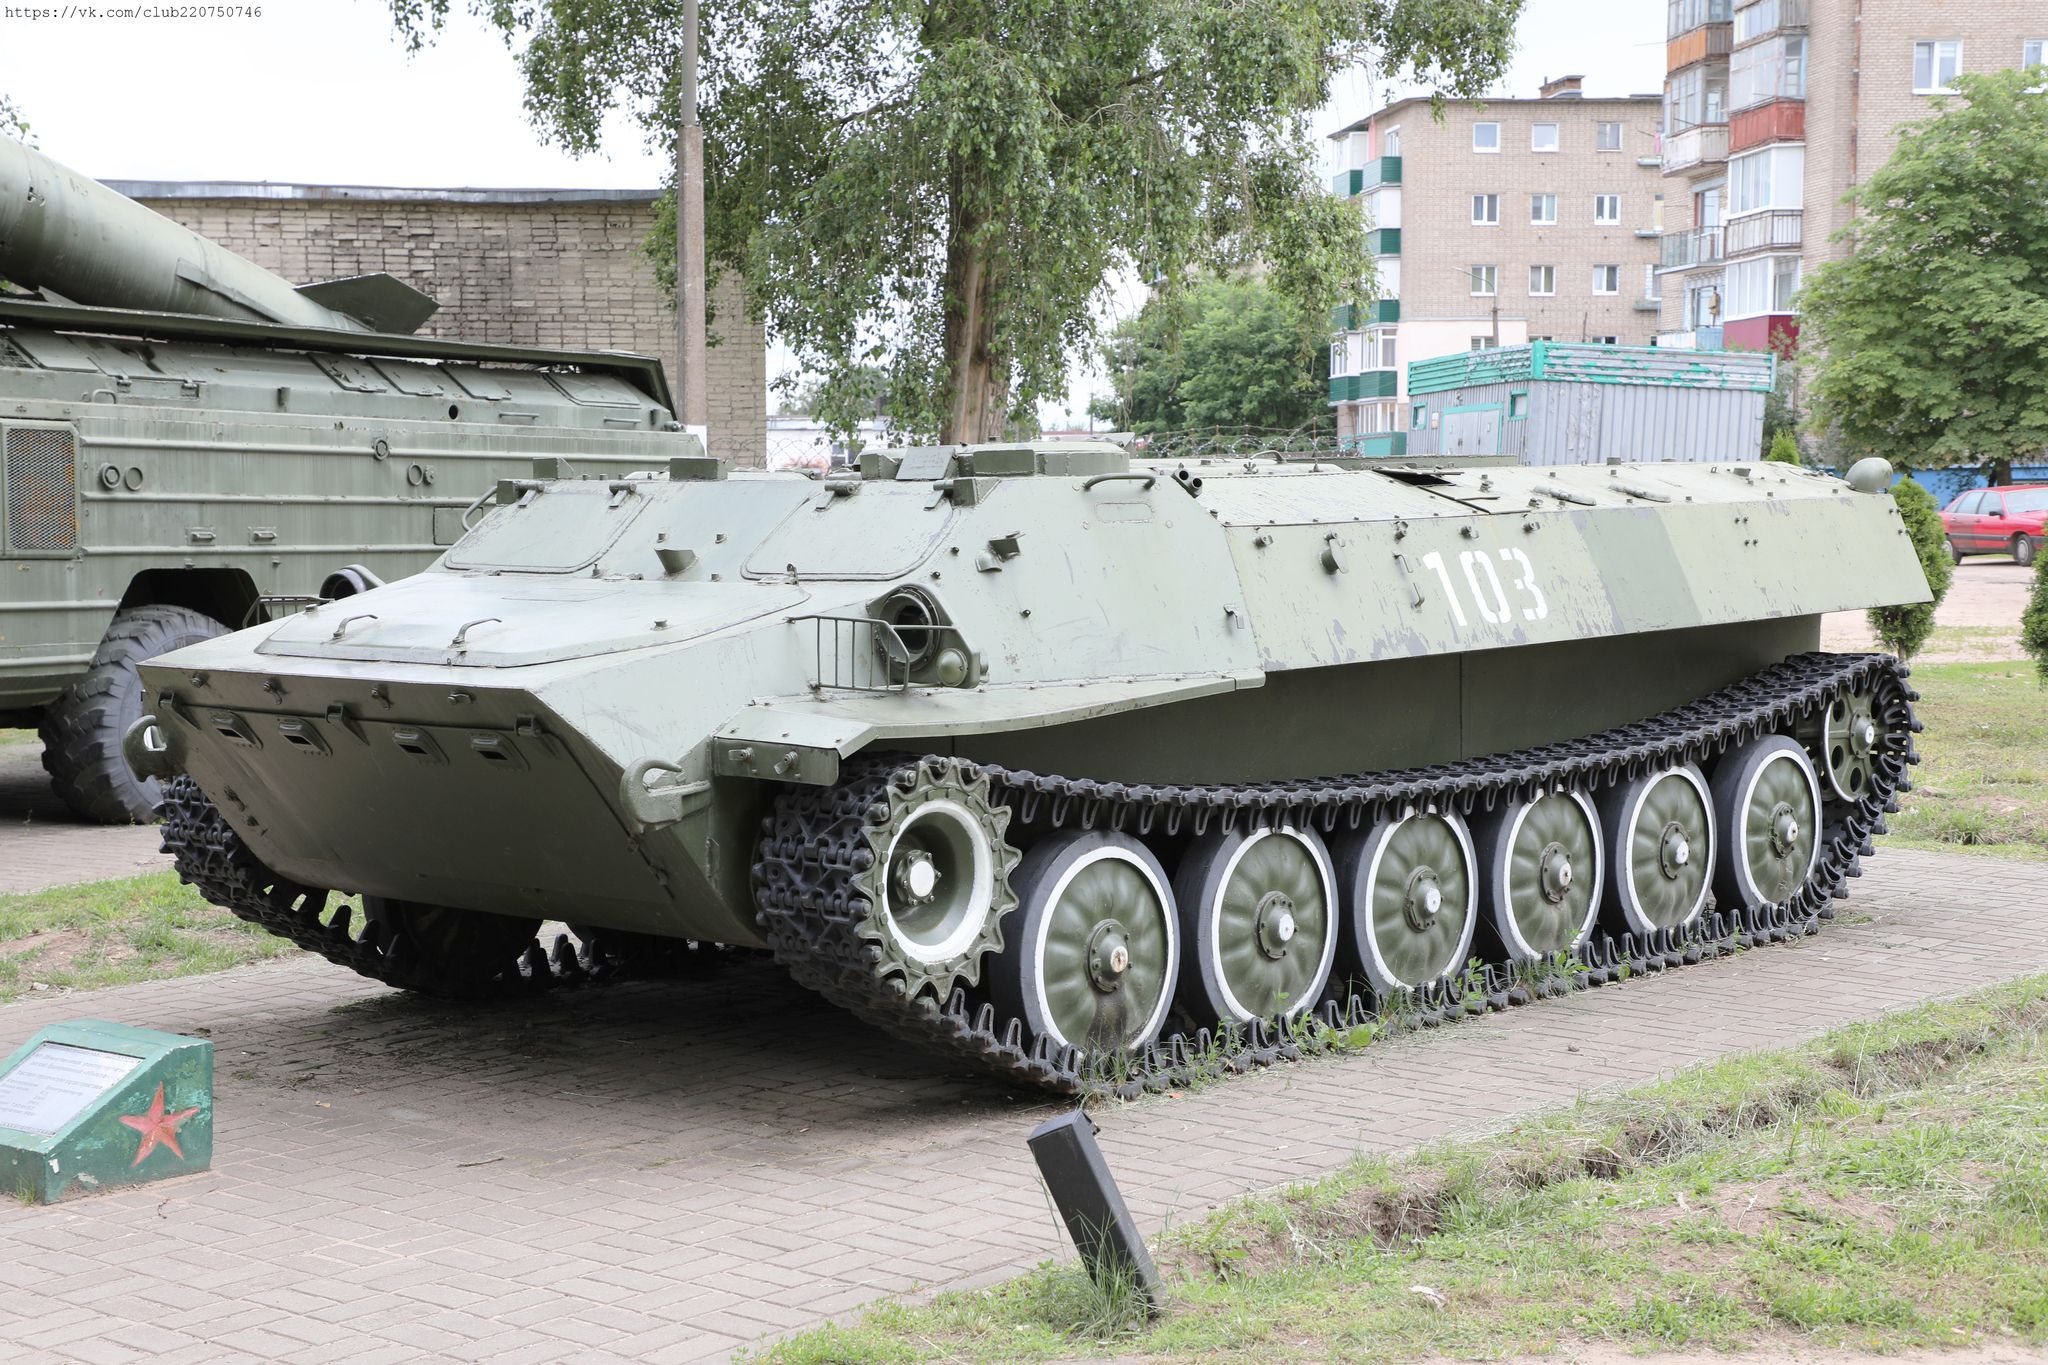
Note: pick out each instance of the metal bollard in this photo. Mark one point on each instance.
(1089, 1202)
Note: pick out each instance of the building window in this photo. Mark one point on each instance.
(1695, 96)
(1543, 208)
(1418, 420)
(1518, 405)
(1650, 287)
(1935, 66)
(1767, 71)
(1543, 137)
(1387, 361)
(1758, 19)
(1486, 208)
(1607, 137)
(1391, 142)
(2033, 52)
(1542, 281)
(1485, 280)
(1607, 279)
(1485, 343)
(1606, 341)
(1760, 286)
(1784, 282)
(1683, 16)
(1773, 178)
(1607, 208)
(1486, 137)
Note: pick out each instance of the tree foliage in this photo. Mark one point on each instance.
(1225, 353)
(1902, 630)
(941, 188)
(1784, 447)
(1933, 334)
(12, 124)
(2034, 620)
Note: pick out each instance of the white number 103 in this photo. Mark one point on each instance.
(1491, 599)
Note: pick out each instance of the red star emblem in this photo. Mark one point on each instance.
(157, 1126)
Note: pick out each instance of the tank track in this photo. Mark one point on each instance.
(812, 848)
(211, 857)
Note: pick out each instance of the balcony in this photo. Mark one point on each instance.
(1706, 145)
(1693, 246)
(1713, 40)
(1385, 170)
(1351, 317)
(1384, 241)
(1353, 388)
(1649, 305)
(1770, 16)
(1779, 120)
(1768, 231)
(1702, 339)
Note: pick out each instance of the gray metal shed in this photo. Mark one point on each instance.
(1555, 402)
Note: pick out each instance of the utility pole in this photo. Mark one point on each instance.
(692, 391)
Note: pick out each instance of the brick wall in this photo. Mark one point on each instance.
(563, 273)
(1860, 87)
(1440, 174)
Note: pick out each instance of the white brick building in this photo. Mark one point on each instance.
(1505, 222)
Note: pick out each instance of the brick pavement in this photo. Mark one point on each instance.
(43, 844)
(666, 1171)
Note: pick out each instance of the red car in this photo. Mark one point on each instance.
(1995, 521)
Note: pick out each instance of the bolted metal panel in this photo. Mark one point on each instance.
(42, 489)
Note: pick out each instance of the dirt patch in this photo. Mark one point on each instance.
(56, 952)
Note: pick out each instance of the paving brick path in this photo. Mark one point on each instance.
(43, 844)
(664, 1172)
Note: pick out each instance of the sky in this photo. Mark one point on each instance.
(321, 92)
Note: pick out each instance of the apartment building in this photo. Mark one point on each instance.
(1773, 111)
(1495, 224)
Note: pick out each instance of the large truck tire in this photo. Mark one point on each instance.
(82, 729)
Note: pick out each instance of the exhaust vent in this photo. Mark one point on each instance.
(42, 490)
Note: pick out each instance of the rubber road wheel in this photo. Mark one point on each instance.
(82, 729)
(1955, 556)
(1092, 951)
(1659, 831)
(1406, 888)
(1767, 804)
(1257, 923)
(1540, 867)
(2024, 548)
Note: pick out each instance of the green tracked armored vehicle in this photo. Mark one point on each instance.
(1041, 755)
(187, 440)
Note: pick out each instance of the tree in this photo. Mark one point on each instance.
(1933, 333)
(1227, 353)
(942, 187)
(1902, 630)
(1784, 447)
(2034, 620)
(12, 124)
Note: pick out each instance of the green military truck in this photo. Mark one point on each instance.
(190, 444)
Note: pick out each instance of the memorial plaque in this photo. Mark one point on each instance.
(55, 1084)
(89, 1104)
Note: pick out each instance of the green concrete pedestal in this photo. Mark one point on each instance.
(94, 1105)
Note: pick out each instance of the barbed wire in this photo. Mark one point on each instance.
(1313, 438)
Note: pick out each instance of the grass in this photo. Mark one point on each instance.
(114, 932)
(1982, 782)
(1881, 1188)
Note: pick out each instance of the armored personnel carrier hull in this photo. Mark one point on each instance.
(1049, 759)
